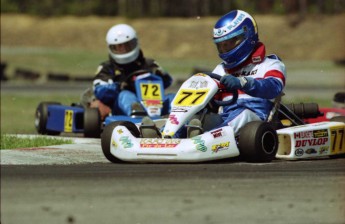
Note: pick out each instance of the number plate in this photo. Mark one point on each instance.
(190, 97)
(68, 121)
(150, 91)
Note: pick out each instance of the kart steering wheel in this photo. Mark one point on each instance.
(220, 102)
(125, 81)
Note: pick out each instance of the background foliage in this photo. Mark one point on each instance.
(167, 8)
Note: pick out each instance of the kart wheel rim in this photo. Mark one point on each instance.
(37, 119)
(268, 142)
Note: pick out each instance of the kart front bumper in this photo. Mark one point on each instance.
(214, 145)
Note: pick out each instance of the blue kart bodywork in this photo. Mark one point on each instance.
(52, 118)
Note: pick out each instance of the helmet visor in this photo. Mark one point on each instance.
(124, 47)
(228, 45)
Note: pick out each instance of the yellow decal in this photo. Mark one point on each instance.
(190, 97)
(337, 139)
(68, 124)
(150, 91)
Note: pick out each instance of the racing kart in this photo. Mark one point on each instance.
(52, 118)
(283, 135)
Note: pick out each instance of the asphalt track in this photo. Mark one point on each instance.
(76, 184)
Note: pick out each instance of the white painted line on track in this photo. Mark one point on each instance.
(84, 150)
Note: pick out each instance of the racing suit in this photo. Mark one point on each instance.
(109, 76)
(262, 79)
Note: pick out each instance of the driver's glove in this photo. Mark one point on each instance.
(106, 92)
(232, 83)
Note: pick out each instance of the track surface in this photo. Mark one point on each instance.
(223, 192)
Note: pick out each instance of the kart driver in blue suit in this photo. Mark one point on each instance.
(245, 67)
(125, 57)
(258, 78)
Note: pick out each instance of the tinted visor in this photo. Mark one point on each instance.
(124, 47)
(228, 45)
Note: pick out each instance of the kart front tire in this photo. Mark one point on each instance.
(41, 118)
(107, 134)
(92, 123)
(258, 142)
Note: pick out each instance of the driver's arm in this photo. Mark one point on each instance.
(104, 88)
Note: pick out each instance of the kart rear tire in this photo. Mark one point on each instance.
(258, 142)
(92, 123)
(305, 110)
(41, 118)
(107, 134)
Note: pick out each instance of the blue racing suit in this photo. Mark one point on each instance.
(264, 80)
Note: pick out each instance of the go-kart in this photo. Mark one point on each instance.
(52, 118)
(283, 135)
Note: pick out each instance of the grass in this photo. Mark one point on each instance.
(15, 142)
(76, 46)
(18, 110)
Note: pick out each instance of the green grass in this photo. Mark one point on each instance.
(18, 110)
(15, 142)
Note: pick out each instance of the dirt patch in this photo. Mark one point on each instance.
(314, 38)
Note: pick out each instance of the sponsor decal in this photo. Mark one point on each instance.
(200, 144)
(221, 146)
(218, 32)
(179, 110)
(304, 134)
(217, 133)
(256, 59)
(245, 73)
(310, 151)
(120, 131)
(320, 133)
(159, 143)
(324, 150)
(299, 152)
(173, 119)
(236, 21)
(198, 84)
(126, 142)
(311, 142)
(113, 143)
(156, 103)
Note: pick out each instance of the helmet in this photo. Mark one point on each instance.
(123, 43)
(235, 35)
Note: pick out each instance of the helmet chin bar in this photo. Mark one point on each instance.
(235, 57)
(126, 58)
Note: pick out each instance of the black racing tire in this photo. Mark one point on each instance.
(92, 123)
(338, 118)
(258, 142)
(108, 132)
(41, 118)
(305, 110)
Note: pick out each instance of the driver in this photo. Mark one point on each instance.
(245, 67)
(258, 78)
(125, 58)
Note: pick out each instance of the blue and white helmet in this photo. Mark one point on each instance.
(235, 35)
